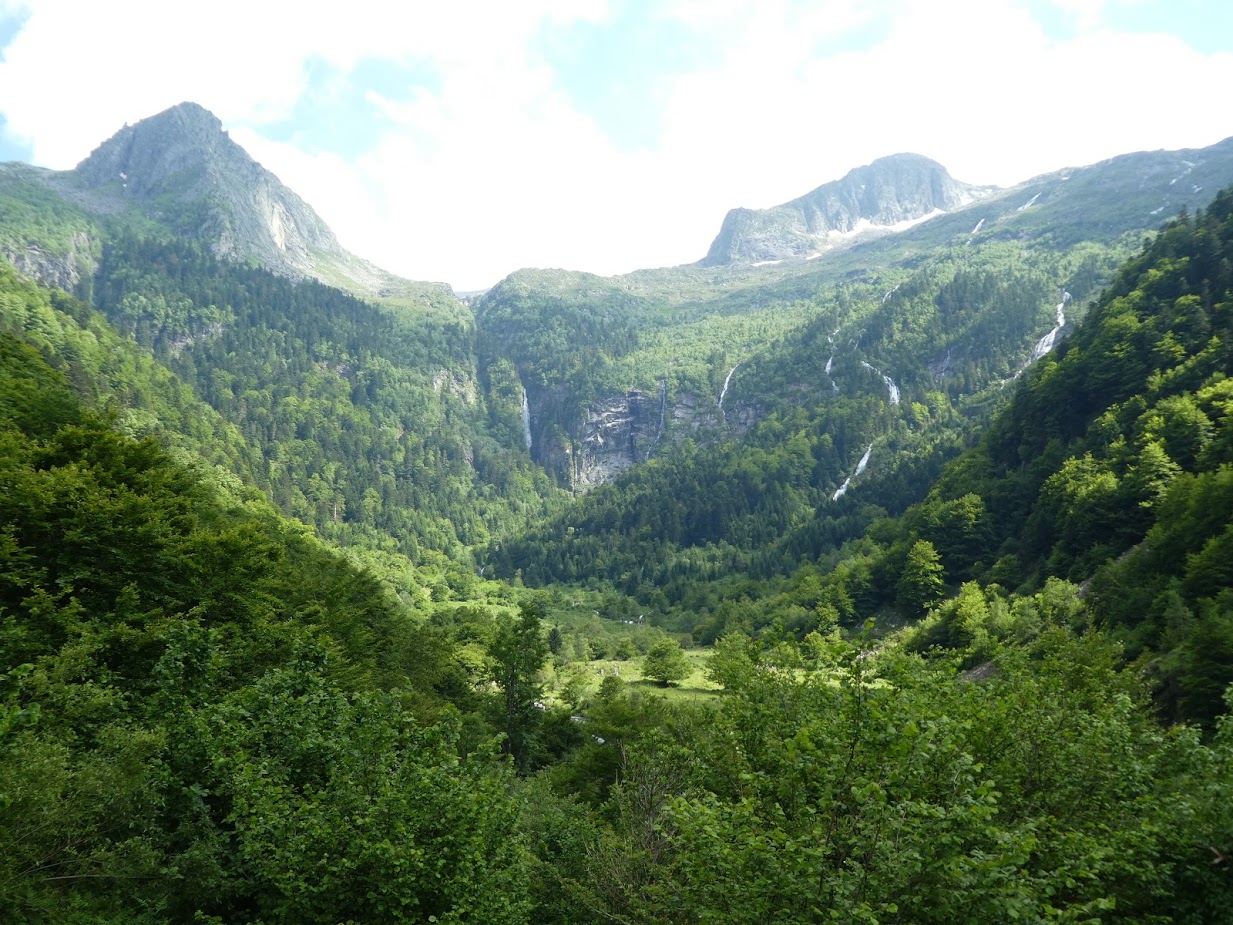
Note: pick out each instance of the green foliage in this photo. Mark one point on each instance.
(368, 421)
(517, 652)
(921, 583)
(886, 789)
(666, 662)
(220, 703)
(344, 810)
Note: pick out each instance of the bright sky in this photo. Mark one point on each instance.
(459, 141)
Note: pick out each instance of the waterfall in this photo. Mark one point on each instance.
(891, 388)
(860, 467)
(724, 390)
(526, 420)
(1047, 343)
(830, 339)
(663, 410)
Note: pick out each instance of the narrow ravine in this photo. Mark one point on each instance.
(830, 339)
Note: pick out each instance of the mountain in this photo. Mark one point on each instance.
(180, 171)
(619, 370)
(208, 714)
(362, 417)
(180, 166)
(454, 426)
(891, 194)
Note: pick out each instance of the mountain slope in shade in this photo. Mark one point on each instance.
(890, 194)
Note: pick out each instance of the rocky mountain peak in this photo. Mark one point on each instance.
(143, 157)
(183, 170)
(890, 194)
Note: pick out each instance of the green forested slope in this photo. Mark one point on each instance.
(207, 715)
(105, 369)
(952, 333)
(205, 711)
(1113, 464)
(368, 419)
(1109, 467)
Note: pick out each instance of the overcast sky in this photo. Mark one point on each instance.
(460, 141)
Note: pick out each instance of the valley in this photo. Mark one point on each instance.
(877, 563)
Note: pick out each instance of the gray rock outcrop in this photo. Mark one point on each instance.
(877, 197)
(182, 169)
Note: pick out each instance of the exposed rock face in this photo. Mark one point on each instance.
(615, 435)
(458, 384)
(624, 430)
(882, 196)
(71, 271)
(181, 168)
(611, 436)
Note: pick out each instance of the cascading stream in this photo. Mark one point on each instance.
(830, 339)
(1049, 341)
(860, 467)
(724, 390)
(891, 389)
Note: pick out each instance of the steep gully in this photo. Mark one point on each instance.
(663, 412)
(892, 395)
(891, 388)
(1043, 346)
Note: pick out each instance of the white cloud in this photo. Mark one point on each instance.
(500, 170)
(1085, 14)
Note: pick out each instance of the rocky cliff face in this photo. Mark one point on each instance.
(182, 169)
(621, 431)
(71, 271)
(886, 195)
(615, 434)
